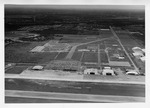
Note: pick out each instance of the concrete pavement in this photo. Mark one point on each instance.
(78, 78)
(71, 96)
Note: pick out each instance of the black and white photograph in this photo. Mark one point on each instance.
(59, 53)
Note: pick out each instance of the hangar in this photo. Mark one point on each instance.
(137, 50)
(37, 67)
(107, 71)
(138, 54)
(132, 72)
(91, 71)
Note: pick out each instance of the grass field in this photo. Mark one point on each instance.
(89, 32)
(90, 57)
(15, 35)
(102, 46)
(127, 40)
(103, 57)
(61, 55)
(19, 53)
(105, 33)
(69, 38)
(16, 70)
(77, 56)
(91, 65)
(111, 41)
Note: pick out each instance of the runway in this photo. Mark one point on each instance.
(73, 97)
(93, 88)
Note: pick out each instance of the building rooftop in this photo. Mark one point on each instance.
(38, 67)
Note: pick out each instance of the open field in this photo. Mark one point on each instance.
(102, 46)
(78, 36)
(63, 64)
(137, 32)
(111, 41)
(61, 55)
(90, 57)
(105, 33)
(103, 57)
(77, 56)
(19, 53)
(127, 40)
(89, 32)
(79, 40)
(70, 38)
(16, 69)
(95, 65)
(16, 34)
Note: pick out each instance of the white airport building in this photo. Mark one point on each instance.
(37, 67)
(91, 71)
(108, 71)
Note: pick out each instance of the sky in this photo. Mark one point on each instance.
(82, 7)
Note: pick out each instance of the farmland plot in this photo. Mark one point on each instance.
(61, 55)
(77, 56)
(103, 57)
(16, 69)
(90, 57)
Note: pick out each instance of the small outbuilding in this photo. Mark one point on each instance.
(91, 71)
(38, 67)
